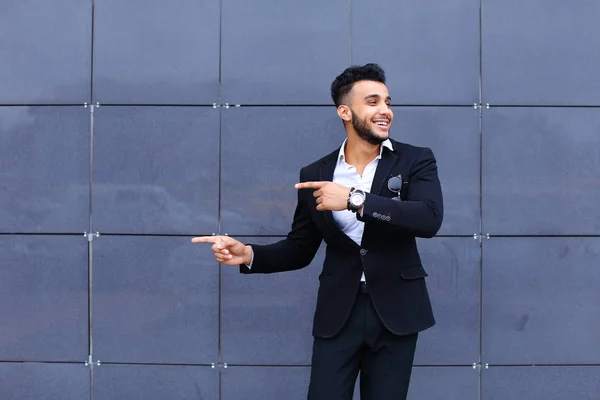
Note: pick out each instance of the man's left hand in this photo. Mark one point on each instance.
(330, 196)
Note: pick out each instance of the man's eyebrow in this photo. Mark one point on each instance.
(376, 96)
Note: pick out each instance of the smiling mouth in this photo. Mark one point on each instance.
(382, 124)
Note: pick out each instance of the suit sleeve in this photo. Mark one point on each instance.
(296, 251)
(421, 214)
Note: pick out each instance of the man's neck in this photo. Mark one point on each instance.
(359, 152)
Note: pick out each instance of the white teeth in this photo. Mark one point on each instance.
(382, 123)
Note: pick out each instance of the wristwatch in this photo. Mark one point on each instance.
(356, 199)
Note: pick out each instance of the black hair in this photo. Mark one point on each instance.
(342, 85)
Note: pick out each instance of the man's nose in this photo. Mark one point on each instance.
(384, 111)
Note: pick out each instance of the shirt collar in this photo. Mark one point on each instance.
(386, 143)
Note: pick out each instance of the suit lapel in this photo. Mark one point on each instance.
(384, 167)
(388, 159)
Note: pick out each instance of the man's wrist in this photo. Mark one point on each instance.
(247, 254)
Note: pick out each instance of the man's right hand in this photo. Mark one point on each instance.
(227, 250)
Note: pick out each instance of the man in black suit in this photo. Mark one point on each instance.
(368, 200)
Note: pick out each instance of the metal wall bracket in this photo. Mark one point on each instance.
(226, 105)
(479, 365)
(91, 363)
(90, 236)
(479, 236)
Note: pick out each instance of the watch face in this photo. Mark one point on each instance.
(356, 199)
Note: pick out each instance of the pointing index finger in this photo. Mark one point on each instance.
(310, 185)
(207, 239)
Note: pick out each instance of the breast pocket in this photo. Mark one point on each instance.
(392, 183)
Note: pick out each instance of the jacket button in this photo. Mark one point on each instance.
(363, 252)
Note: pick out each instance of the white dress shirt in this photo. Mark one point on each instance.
(347, 175)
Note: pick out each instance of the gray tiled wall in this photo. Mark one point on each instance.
(121, 117)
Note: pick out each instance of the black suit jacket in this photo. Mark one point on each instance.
(388, 253)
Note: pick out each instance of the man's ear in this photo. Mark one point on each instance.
(344, 112)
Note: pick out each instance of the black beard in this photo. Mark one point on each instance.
(364, 132)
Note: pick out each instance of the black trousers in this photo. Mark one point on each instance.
(364, 344)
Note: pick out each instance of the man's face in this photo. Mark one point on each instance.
(370, 105)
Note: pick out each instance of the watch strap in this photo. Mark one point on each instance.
(348, 205)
